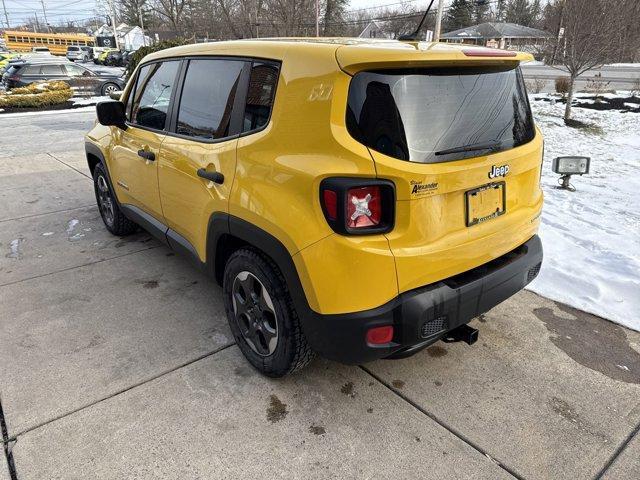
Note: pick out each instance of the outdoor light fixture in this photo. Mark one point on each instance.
(567, 166)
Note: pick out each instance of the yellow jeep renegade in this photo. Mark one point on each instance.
(360, 199)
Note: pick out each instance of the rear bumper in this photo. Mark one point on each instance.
(422, 316)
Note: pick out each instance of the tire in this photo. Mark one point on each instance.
(108, 88)
(250, 275)
(112, 216)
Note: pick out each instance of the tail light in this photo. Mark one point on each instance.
(354, 206)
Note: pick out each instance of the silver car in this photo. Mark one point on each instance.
(83, 54)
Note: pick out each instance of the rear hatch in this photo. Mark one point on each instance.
(454, 132)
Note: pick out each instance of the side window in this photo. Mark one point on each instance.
(262, 88)
(152, 94)
(207, 99)
(31, 70)
(75, 71)
(51, 70)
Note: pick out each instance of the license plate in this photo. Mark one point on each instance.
(485, 202)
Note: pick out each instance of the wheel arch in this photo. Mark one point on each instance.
(227, 233)
(94, 156)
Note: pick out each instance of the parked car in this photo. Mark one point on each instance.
(102, 56)
(113, 58)
(360, 199)
(81, 53)
(81, 79)
(126, 58)
(5, 57)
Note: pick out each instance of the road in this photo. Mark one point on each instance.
(116, 361)
(619, 78)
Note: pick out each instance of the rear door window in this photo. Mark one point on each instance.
(208, 95)
(440, 114)
(152, 94)
(262, 89)
(50, 70)
(30, 70)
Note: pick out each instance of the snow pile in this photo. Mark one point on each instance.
(591, 237)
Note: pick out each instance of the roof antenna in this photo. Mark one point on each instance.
(412, 37)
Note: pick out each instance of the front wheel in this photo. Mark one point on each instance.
(112, 216)
(261, 314)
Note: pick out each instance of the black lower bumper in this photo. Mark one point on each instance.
(422, 316)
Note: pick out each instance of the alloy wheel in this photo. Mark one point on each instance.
(254, 313)
(109, 89)
(104, 201)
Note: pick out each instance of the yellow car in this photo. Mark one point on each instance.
(361, 199)
(4, 59)
(102, 56)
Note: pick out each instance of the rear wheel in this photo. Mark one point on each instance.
(109, 88)
(262, 316)
(112, 216)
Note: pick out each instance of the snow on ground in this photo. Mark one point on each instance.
(591, 237)
(89, 100)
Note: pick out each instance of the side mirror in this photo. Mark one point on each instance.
(111, 114)
(116, 95)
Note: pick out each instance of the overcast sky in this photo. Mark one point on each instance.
(58, 10)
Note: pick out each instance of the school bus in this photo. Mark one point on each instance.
(56, 42)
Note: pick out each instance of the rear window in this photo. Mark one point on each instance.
(72, 49)
(439, 114)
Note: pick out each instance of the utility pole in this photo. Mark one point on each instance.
(436, 34)
(144, 37)
(318, 18)
(560, 33)
(6, 15)
(44, 11)
(112, 14)
(36, 27)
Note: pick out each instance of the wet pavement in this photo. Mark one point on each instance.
(116, 361)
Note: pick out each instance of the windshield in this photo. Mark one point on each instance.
(440, 114)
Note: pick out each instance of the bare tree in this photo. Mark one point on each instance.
(172, 11)
(586, 39)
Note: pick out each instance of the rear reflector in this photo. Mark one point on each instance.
(380, 335)
(487, 52)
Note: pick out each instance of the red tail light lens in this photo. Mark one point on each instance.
(364, 207)
(330, 203)
(355, 206)
(380, 335)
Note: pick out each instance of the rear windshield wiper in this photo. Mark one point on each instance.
(470, 148)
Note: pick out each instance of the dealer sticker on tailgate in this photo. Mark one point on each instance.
(485, 202)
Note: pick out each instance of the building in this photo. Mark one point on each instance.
(129, 38)
(510, 36)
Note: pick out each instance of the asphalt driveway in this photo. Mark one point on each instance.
(116, 362)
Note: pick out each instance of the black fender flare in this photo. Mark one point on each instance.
(223, 223)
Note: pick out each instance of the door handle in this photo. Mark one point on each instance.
(215, 177)
(147, 155)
